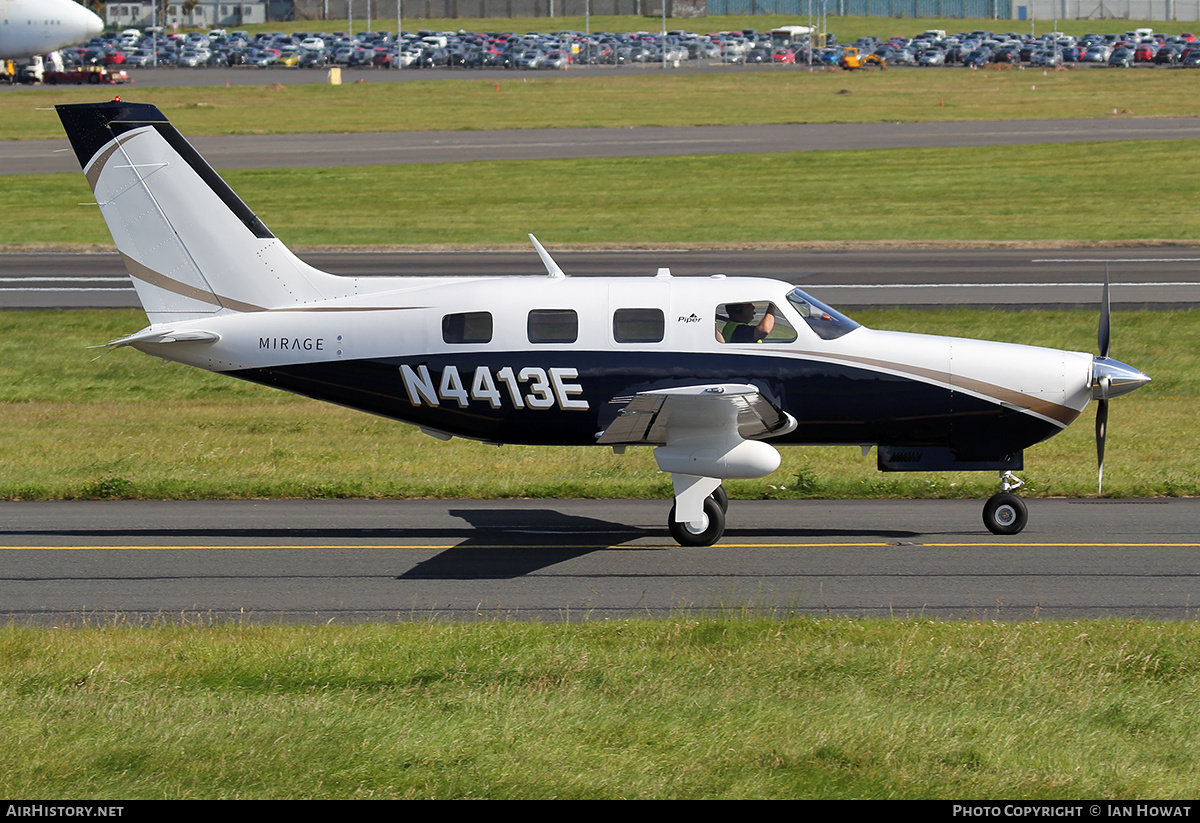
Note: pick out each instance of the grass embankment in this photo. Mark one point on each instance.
(688, 707)
(126, 425)
(1045, 194)
(463, 100)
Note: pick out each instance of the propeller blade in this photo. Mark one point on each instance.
(1101, 433)
(1103, 338)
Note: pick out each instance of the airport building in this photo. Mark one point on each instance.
(204, 14)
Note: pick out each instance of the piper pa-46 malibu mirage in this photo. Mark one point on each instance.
(705, 369)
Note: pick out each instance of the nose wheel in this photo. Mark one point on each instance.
(1005, 513)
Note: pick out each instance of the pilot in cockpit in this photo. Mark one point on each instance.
(740, 327)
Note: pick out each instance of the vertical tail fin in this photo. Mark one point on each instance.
(190, 244)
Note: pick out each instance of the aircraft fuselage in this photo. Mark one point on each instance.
(388, 353)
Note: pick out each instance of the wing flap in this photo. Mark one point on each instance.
(648, 418)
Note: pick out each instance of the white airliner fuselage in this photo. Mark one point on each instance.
(33, 27)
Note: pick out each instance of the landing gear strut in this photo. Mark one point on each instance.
(1005, 513)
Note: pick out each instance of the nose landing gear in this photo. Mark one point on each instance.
(1005, 513)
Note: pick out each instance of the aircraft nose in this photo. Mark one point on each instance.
(1112, 378)
(89, 23)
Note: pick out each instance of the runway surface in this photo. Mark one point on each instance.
(398, 148)
(1158, 278)
(318, 561)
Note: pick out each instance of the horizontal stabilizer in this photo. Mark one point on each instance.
(152, 335)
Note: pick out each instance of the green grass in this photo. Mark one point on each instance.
(548, 100)
(128, 426)
(1046, 194)
(718, 705)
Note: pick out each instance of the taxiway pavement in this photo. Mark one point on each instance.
(1155, 278)
(400, 148)
(347, 560)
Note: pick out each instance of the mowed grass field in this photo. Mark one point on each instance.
(656, 97)
(1038, 195)
(1136, 191)
(721, 705)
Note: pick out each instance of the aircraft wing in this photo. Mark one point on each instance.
(648, 418)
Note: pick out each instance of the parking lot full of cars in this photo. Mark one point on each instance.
(561, 50)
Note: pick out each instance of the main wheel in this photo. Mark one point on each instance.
(1005, 513)
(722, 498)
(713, 526)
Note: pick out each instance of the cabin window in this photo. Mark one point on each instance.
(753, 322)
(638, 325)
(467, 327)
(553, 326)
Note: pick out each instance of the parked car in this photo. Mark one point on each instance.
(1048, 58)
(1144, 53)
(1121, 58)
(139, 58)
(530, 59)
(932, 57)
(314, 59)
(979, 57)
(1167, 56)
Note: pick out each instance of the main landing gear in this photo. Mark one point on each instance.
(1005, 513)
(709, 528)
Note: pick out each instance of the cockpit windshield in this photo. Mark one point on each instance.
(829, 324)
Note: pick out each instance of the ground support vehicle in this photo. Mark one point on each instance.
(91, 75)
(851, 59)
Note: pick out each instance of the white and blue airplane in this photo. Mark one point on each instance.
(710, 371)
(32, 27)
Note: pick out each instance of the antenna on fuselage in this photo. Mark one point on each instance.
(552, 268)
